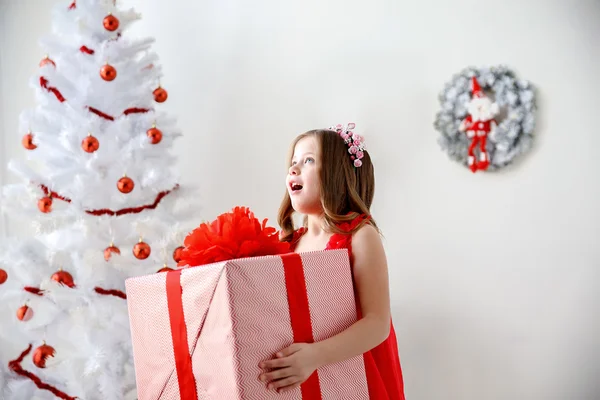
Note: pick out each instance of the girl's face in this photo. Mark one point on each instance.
(303, 182)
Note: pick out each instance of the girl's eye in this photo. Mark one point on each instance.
(310, 159)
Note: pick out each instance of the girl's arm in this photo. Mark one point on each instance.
(372, 284)
(296, 363)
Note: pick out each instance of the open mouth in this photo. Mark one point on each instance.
(295, 187)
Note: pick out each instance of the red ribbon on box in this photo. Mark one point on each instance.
(297, 294)
(295, 285)
(183, 359)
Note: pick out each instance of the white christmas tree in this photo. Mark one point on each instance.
(105, 204)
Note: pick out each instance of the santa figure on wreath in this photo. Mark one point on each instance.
(479, 124)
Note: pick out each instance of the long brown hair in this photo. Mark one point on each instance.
(346, 191)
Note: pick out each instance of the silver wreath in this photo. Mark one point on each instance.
(516, 100)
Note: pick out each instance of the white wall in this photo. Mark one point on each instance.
(495, 277)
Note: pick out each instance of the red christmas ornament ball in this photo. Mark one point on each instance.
(160, 95)
(45, 204)
(24, 313)
(177, 254)
(154, 134)
(165, 269)
(27, 141)
(3, 276)
(109, 250)
(41, 354)
(111, 23)
(90, 144)
(47, 61)
(125, 185)
(108, 72)
(64, 278)
(141, 250)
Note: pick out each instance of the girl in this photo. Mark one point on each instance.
(331, 181)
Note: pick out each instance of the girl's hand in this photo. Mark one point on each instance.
(291, 367)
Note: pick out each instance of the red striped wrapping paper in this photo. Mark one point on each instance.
(200, 333)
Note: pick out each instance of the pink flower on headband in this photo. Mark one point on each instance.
(355, 142)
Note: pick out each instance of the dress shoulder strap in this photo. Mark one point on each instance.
(296, 237)
(349, 226)
(344, 240)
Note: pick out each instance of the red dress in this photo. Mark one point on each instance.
(382, 363)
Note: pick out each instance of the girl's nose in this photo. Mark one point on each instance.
(293, 170)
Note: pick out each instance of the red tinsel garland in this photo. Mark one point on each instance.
(101, 114)
(61, 98)
(34, 290)
(44, 84)
(106, 211)
(85, 49)
(54, 195)
(15, 366)
(111, 292)
(135, 110)
(99, 290)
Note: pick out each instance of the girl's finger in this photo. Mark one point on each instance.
(275, 363)
(283, 382)
(277, 374)
(288, 351)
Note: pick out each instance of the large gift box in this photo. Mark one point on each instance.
(201, 332)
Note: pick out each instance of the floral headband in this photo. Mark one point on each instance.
(356, 145)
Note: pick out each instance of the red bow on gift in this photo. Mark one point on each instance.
(233, 235)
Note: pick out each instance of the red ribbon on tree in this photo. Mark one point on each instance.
(106, 211)
(101, 114)
(132, 110)
(44, 84)
(135, 110)
(15, 366)
(34, 290)
(85, 49)
(111, 292)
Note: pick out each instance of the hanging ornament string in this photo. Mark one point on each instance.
(15, 366)
(105, 211)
